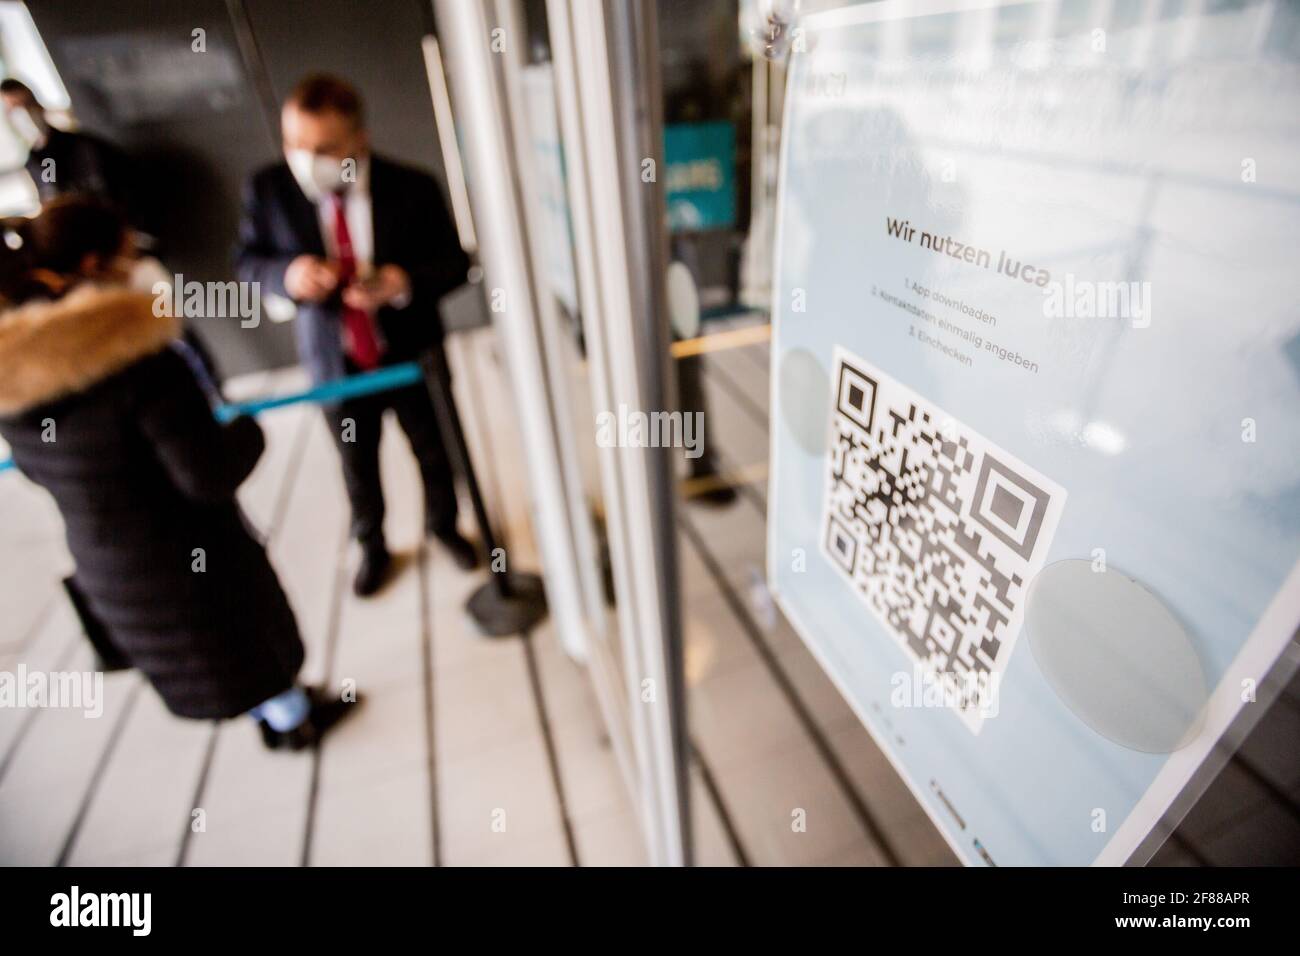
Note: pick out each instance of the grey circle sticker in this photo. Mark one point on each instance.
(1117, 656)
(683, 301)
(805, 392)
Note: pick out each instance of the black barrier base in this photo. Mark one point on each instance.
(509, 603)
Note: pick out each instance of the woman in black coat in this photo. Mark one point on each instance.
(101, 409)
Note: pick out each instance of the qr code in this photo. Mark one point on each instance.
(937, 529)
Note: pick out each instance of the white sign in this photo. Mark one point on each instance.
(1037, 388)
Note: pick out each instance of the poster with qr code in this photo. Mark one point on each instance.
(1032, 483)
(936, 529)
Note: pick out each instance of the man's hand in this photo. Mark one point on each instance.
(390, 285)
(310, 279)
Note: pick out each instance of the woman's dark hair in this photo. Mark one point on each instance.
(57, 240)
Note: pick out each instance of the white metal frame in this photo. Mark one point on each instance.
(498, 213)
(608, 111)
(455, 172)
(605, 60)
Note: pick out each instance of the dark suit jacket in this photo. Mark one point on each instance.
(412, 229)
(82, 164)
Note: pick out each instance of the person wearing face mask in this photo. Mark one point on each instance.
(63, 163)
(365, 247)
(101, 410)
(59, 161)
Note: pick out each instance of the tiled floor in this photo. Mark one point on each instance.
(466, 752)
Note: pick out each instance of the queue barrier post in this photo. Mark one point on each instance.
(509, 602)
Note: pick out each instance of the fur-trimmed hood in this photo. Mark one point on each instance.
(51, 349)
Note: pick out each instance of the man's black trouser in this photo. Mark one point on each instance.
(357, 425)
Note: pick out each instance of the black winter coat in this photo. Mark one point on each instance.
(145, 479)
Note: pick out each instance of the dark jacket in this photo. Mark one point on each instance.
(79, 163)
(412, 229)
(144, 477)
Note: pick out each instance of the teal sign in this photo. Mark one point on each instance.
(701, 176)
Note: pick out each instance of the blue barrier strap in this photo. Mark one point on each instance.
(354, 386)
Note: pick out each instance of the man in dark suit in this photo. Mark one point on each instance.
(60, 161)
(365, 248)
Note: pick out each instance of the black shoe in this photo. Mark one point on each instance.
(325, 713)
(718, 497)
(373, 572)
(717, 491)
(462, 552)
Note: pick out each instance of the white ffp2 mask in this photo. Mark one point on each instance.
(317, 175)
(27, 129)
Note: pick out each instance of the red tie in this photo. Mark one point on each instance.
(359, 340)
